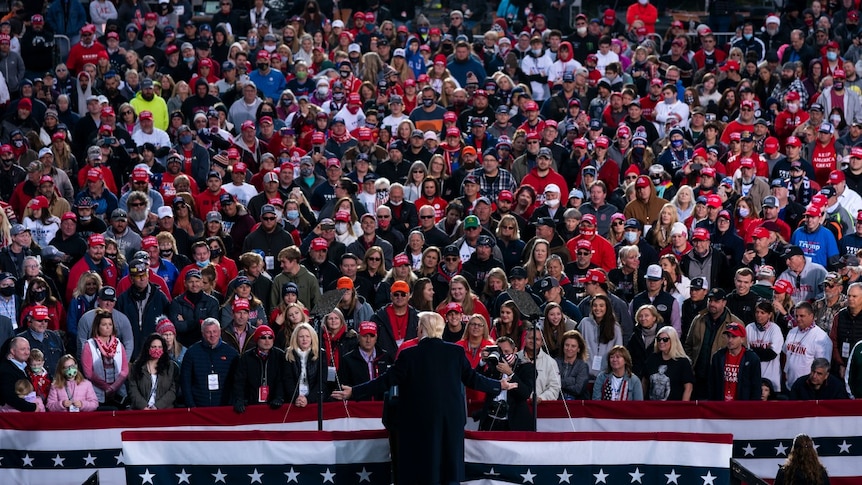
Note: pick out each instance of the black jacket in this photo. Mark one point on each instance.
(385, 332)
(520, 415)
(187, 317)
(748, 377)
(292, 373)
(833, 388)
(354, 370)
(253, 373)
(9, 375)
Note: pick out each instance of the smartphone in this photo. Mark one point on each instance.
(749, 247)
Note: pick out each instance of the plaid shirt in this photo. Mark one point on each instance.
(492, 188)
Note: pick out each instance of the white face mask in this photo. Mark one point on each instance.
(792, 107)
(340, 227)
(743, 212)
(269, 48)
(582, 30)
(323, 91)
(643, 2)
(552, 203)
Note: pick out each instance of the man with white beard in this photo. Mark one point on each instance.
(148, 133)
(141, 219)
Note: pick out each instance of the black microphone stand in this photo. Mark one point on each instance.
(327, 302)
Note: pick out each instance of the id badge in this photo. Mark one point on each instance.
(270, 262)
(74, 409)
(262, 393)
(330, 374)
(597, 362)
(845, 349)
(212, 382)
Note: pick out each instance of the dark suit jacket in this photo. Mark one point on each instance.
(431, 437)
(353, 369)
(9, 375)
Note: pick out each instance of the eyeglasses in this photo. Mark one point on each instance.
(472, 229)
(619, 223)
(632, 177)
(127, 112)
(384, 217)
(663, 340)
(138, 204)
(266, 337)
(829, 285)
(476, 324)
(507, 227)
(451, 258)
(399, 294)
(584, 253)
(426, 217)
(746, 109)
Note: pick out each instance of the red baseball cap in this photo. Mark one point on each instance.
(713, 200)
(642, 181)
(770, 146)
(39, 312)
(239, 167)
(450, 116)
(240, 304)
(855, 152)
(783, 287)
(368, 328)
(149, 242)
(453, 307)
(401, 260)
(94, 174)
(506, 195)
(794, 141)
(584, 244)
(760, 232)
(318, 138)
(594, 276)
(146, 115)
(836, 177)
(319, 244)
(364, 134)
(453, 132)
(96, 240)
(700, 234)
(140, 175)
(531, 106)
(232, 153)
(247, 125)
(746, 163)
(589, 219)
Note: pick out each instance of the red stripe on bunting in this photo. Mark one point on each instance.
(520, 436)
(254, 436)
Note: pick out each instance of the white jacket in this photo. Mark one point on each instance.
(852, 104)
(548, 381)
(663, 111)
(538, 65)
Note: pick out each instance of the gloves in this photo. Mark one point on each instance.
(276, 403)
(239, 407)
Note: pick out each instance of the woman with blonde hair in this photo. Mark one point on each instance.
(618, 383)
(301, 372)
(647, 322)
(535, 264)
(659, 234)
(802, 465)
(71, 391)
(179, 94)
(683, 201)
(460, 292)
(447, 85)
(287, 315)
(496, 282)
(437, 167)
(339, 338)
(105, 361)
(415, 178)
(476, 337)
(373, 267)
(63, 158)
(372, 67)
(667, 373)
(83, 299)
(509, 241)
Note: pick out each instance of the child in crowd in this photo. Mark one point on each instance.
(24, 390)
(39, 375)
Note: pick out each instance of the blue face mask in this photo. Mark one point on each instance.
(747, 36)
(676, 143)
(292, 214)
(832, 56)
(630, 236)
(185, 139)
(189, 59)
(202, 264)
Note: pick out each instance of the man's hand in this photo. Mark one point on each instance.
(504, 368)
(506, 385)
(344, 394)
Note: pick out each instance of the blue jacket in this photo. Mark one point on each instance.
(200, 361)
(459, 70)
(66, 24)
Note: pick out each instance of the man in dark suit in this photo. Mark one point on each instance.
(11, 371)
(430, 377)
(365, 362)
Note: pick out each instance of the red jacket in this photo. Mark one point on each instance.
(603, 253)
(110, 275)
(207, 201)
(539, 183)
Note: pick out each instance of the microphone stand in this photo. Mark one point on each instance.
(325, 304)
(528, 307)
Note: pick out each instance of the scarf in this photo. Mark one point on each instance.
(108, 349)
(649, 335)
(343, 138)
(329, 340)
(608, 393)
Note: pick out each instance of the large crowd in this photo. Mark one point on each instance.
(597, 209)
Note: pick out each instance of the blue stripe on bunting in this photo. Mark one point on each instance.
(58, 460)
(595, 474)
(359, 474)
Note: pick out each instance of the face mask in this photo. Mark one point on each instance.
(252, 42)
(189, 60)
(18, 143)
(744, 212)
(402, 38)
(832, 56)
(71, 372)
(202, 264)
(689, 99)
(340, 227)
(305, 171)
(838, 86)
(460, 103)
(283, 59)
(36, 369)
(582, 30)
(510, 358)
(630, 236)
(353, 109)
(588, 232)
(809, 22)
(396, 203)
(156, 353)
(337, 96)
(214, 253)
(427, 103)
(293, 214)
(552, 203)
(747, 36)
(835, 119)
(288, 40)
(677, 144)
(536, 52)
(40, 295)
(185, 139)
(792, 107)
(669, 100)
(796, 180)
(7, 161)
(262, 66)
(166, 253)
(423, 30)
(85, 218)
(302, 75)
(323, 91)
(8, 291)
(269, 48)
(656, 181)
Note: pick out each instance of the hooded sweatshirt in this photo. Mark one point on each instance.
(645, 212)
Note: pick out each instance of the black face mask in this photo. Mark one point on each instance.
(214, 253)
(7, 291)
(166, 253)
(40, 295)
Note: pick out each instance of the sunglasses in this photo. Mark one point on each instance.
(138, 204)
(399, 294)
(375, 259)
(426, 217)
(584, 253)
(663, 339)
(830, 285)
(451, 259)
(268, 218)
(619, 223)
(266, 337)
(384, 217)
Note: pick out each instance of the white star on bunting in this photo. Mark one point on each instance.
(219, 476)
(672, 476)
(564, 477)
(364, 475)
(492, 473)
(601, 476)
(147, 477)
(27, 460)
(844, 447)
(780, 449)
(328, 476)
(292, 476)
(58, 460)
(120, 459)
(255, 476)
(708, 478)
(183, 476)
(89, 460)
(749, 450)
(636, 475)
(528, 477)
